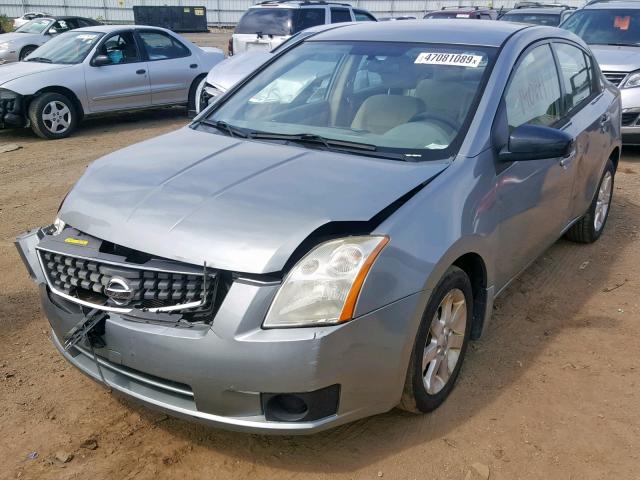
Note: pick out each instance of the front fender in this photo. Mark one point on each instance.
(454, 215)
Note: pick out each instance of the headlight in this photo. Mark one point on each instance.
(323, 287)
(4, 46)
(633, 80)
(58, 226)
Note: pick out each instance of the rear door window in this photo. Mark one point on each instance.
(161, 46)
(576, 74)
(362, 16)
(340, 15)
(266, 21)
(309, 17)
(533, 95)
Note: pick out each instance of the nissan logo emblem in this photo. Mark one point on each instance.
(119, 291)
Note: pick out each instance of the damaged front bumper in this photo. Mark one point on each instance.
(232, 373)
(12, 112)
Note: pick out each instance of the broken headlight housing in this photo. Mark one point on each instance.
(323, 287)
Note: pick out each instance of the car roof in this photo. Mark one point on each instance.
(296, 4)
(116, 28)
(626, 4)
(450, 31)
(542, 10)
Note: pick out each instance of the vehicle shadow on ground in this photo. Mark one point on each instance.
(547, 299)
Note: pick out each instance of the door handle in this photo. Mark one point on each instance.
(142, 71)
(193, 65)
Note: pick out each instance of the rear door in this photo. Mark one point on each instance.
(588, 122)
(172, 67)
(122, 84)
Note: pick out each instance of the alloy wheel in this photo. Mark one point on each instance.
(444, 342)
(56, 117)
(603, 201)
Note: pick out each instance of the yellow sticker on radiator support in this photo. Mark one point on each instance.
(76, 241)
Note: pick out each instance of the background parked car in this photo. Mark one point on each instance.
(17, 45)
(233, 69)
(268, 24)
(27, 17)
(612, 30)
(101, 69)
(477, 13)
(538, 13)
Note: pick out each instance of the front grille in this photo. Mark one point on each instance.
(86, 279)
(615, 77)
(629, 119)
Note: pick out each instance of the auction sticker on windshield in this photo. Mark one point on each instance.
(451, 59)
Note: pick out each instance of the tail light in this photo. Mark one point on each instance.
(230, 47)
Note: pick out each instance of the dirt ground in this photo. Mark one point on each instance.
(552, 391)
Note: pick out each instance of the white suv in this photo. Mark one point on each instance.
(266, 25)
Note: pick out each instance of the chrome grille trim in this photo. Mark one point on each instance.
(107, 308)
(615, 77)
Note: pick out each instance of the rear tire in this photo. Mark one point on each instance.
(440, 345)
(589, 228)
(26, 51)
(53, 116)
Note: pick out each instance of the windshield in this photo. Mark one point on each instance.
(35, 26)
(606, 27)
(412, 100)
(549, 19)
(268, 21)
(67, 48)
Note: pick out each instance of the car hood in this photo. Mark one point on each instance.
(237, 205)
(13, 71)
(233, 69)
(612, 58)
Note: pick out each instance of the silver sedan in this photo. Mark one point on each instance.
(100, 69)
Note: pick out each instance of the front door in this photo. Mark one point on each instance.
(124, 82)
(533, 195)
(172, 67)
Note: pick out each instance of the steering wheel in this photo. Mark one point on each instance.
(421, 117)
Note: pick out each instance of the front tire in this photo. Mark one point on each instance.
(440, 344)
(589, 228)
(26, 51)
(53, 116)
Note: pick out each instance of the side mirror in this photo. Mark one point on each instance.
(101, 61)
(536, 142)
(53, 31)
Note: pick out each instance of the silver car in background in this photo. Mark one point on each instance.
(27, 17)
(17, 45)
(612, 30)
(300, 258)
(236, 68)
(101, 69)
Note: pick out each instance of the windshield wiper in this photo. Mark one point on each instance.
(225, 127)
(329, 144)
(39, 59)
